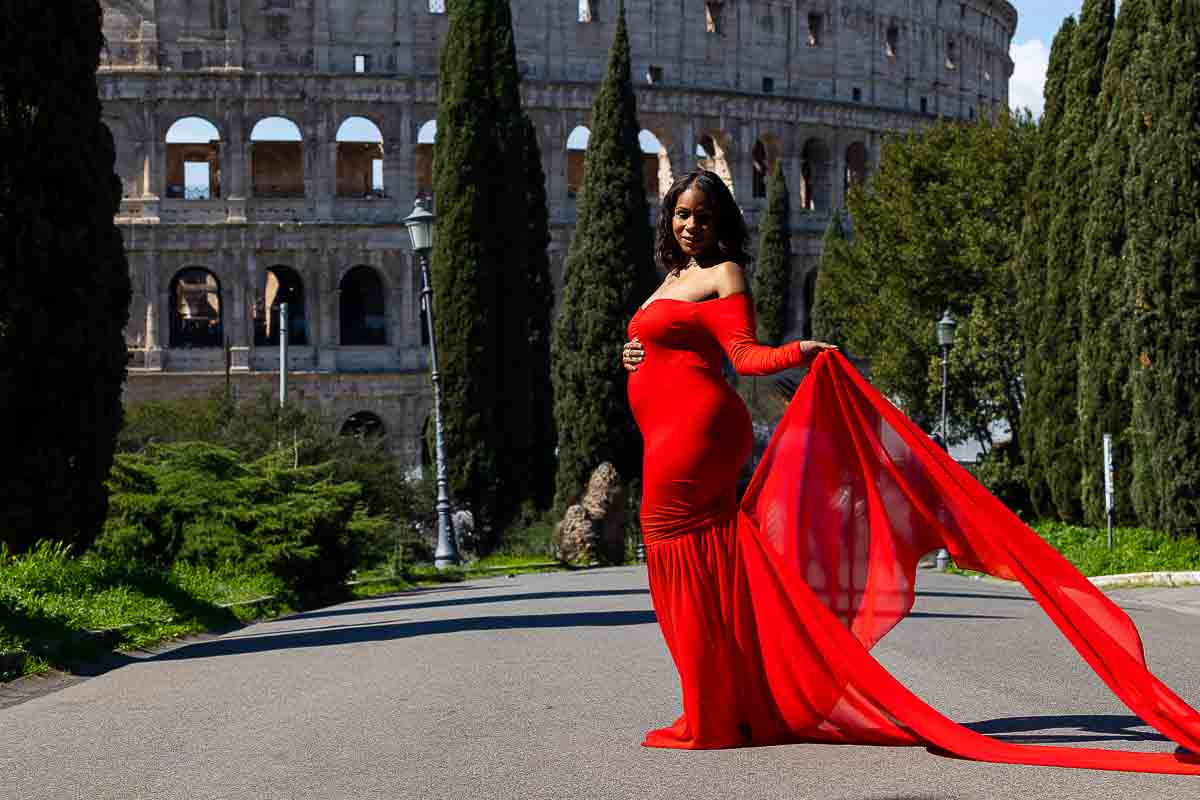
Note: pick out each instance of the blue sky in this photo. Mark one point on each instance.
(1037, 22)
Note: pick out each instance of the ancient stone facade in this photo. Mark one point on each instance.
(270, 148)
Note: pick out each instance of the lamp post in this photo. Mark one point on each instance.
(945, 337)
(420, 230)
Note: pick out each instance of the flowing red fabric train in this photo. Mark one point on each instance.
(769, 610)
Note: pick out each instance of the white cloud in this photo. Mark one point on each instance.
(1025, 90)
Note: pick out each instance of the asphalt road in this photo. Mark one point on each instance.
(542, 686)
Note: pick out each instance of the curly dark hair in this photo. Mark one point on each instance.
(730, 226)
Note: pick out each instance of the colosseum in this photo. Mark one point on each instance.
(269, 150)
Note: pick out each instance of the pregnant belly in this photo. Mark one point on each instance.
(697, 436)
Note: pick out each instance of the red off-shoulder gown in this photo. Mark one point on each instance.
(769, 608)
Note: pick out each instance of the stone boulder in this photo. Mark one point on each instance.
(594, 529)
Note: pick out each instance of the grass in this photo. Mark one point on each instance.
(63, 610)
(1134, 549)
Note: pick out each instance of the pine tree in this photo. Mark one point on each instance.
(1058, 438)
(773, 267)
(64, 279)
(608, 271)
(1106, 307)
(834, 286)
(1032, 272)
(1163, 252)
(543, 439)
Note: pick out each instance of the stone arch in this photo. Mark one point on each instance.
(423, 169)
(196, 313)
(277, 158)
(656, 163)
(856, 165)
(362, 307)
(712, 154)
(814, 175)
(364, 425)
(193, 159)
(283, 285)
(359, 158)
(577, 145)
(762, 161)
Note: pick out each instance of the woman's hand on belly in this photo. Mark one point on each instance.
(632, 355)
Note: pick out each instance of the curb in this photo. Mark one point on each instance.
(1169, 579)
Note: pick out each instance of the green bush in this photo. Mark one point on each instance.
(201, 504)
(1005, 476)
(1134, 550)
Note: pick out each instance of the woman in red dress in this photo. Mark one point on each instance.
(769, 607)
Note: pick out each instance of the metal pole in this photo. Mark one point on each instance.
(283, 353)
(1108, 485)
(945, 382)
(943, 555)
(447, 549)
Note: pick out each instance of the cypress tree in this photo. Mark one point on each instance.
(1163, 252)
(1058, 437)
(64, 279)
(543, 439)
(516, 435)
(834, 286)
(1106, 306)
(608, 271)
(1032, 272)
(479, 264)
(773, 267)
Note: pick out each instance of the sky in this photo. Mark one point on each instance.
(1037, 22)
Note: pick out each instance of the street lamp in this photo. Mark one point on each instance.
(945, 337)
(420, 230)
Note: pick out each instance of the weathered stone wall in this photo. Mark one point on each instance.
(815, 82)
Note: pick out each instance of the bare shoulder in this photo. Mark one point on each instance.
(728, 278)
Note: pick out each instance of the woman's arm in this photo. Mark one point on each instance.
(730, 319)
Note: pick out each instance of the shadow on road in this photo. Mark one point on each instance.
(969, 595)
(1090, 727)
(367, 608)
(382, 632)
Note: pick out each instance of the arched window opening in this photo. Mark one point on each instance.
(283, 285)
(710, 155)
(814, 176)
(363, 314)
(193, 160)
(856, 165)
(761, 170)
(577, 144)
(892, 43)
(656, 164)
(426, 136)
(359, 159)
(363, 425)
(195, 298)
(277, 158)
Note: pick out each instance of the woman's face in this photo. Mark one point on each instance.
(693, 223)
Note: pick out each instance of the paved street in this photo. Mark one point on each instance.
(542, 686)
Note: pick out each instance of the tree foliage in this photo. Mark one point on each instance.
(1106, 299)
(1055, 342)
(64, 280)
(608, 271)
(1032, 270)
(485, 262)
(936, 228)
(834, 288)
(773, 266)
(1162, 193)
